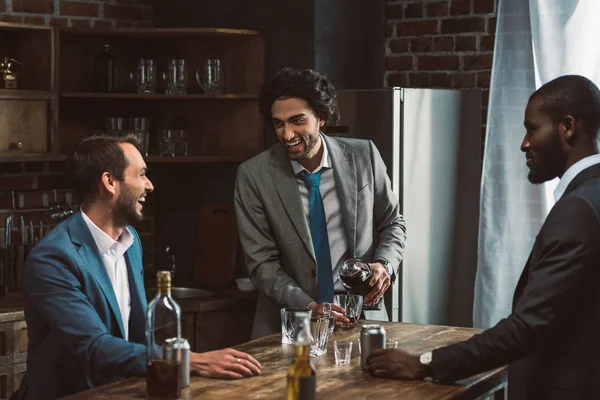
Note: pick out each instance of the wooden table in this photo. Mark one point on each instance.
(333, 381)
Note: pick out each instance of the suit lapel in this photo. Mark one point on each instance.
(344, 171)
(135, 273)
(287, 189)
(590, 172)
(88, 251)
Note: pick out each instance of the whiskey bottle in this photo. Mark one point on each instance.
(163, 331)
(301, 377)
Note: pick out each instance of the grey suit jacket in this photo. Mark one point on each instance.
(275, 235)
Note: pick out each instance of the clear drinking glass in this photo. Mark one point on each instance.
(140, 127)
(166, 144)
(319, 329)
(289, 323)
(352, 303)
(342, 351)
(145, 76)
(180, 142)
(391, 344)
(113, 125)
(327, 314)
(176, 76)
(210, 77)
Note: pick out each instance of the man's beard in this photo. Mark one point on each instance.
(550, 165)
(125, 209)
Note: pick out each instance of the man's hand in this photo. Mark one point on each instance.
(380, 282)
(338, 312)
(395, 364)
(224, 364)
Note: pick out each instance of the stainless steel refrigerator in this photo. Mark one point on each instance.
(431, 142)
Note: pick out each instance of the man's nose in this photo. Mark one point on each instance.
(288, 132)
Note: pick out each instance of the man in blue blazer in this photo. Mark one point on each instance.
(550, 339)
(85, 304)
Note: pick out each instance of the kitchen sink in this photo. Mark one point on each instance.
(180, 293)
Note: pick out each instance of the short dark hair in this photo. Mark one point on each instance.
(307, 85)
(572, 95)
(94, 155)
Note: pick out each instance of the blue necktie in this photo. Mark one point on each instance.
(318, 230)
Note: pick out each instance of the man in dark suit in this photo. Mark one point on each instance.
(550, 340)
(85, 304)
(292, 260)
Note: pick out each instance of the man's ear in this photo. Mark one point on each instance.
(567, 128)
(109, 183)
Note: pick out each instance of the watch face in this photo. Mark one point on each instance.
(425, 358)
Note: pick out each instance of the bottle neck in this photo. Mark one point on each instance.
(164, 290)
(301, 352)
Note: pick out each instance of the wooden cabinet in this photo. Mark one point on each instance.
(57, 105)
(223, 328)
(27, 113)
(13, 355)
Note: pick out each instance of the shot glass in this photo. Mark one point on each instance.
(342, 351)
(391, 344)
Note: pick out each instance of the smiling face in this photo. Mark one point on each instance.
(542, 144)
(134, 188)
(297, 128)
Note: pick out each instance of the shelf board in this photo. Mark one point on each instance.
(160, 32)
(10, 26)
(158, 96)
(18, 94)
(194, 159)
(30, 157)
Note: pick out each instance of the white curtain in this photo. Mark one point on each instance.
(536, 41)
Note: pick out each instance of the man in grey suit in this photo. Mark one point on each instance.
(295, 239)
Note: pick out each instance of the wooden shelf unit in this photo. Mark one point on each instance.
(221, 128)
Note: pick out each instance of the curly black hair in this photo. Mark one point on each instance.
(307, 85)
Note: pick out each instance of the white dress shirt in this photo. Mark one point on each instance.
(338, 245)
(112, 253)
(572, 172)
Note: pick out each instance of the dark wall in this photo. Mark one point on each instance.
(350, 42)
(343, 39)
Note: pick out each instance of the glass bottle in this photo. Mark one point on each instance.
(163, 331)
(301, 377)
(104, 71)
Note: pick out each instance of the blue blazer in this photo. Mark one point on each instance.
(73, 318)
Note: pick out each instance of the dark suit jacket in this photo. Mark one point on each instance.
(551, 341)
(73, 319)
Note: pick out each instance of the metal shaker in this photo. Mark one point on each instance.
(371, 337)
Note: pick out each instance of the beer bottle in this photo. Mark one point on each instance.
(163, 331)
(301, 377)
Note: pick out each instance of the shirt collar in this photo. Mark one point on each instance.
(572, 172)
(104, 242)
(325, 161)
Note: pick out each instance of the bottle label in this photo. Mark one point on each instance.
(308, 388)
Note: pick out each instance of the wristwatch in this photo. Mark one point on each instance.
(425, 360)
(388, 267)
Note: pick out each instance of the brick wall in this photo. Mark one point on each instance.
(80, 13)
(440, 44)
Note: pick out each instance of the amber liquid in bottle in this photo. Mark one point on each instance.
(163, 379)
(301, 377)
(163, 331)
